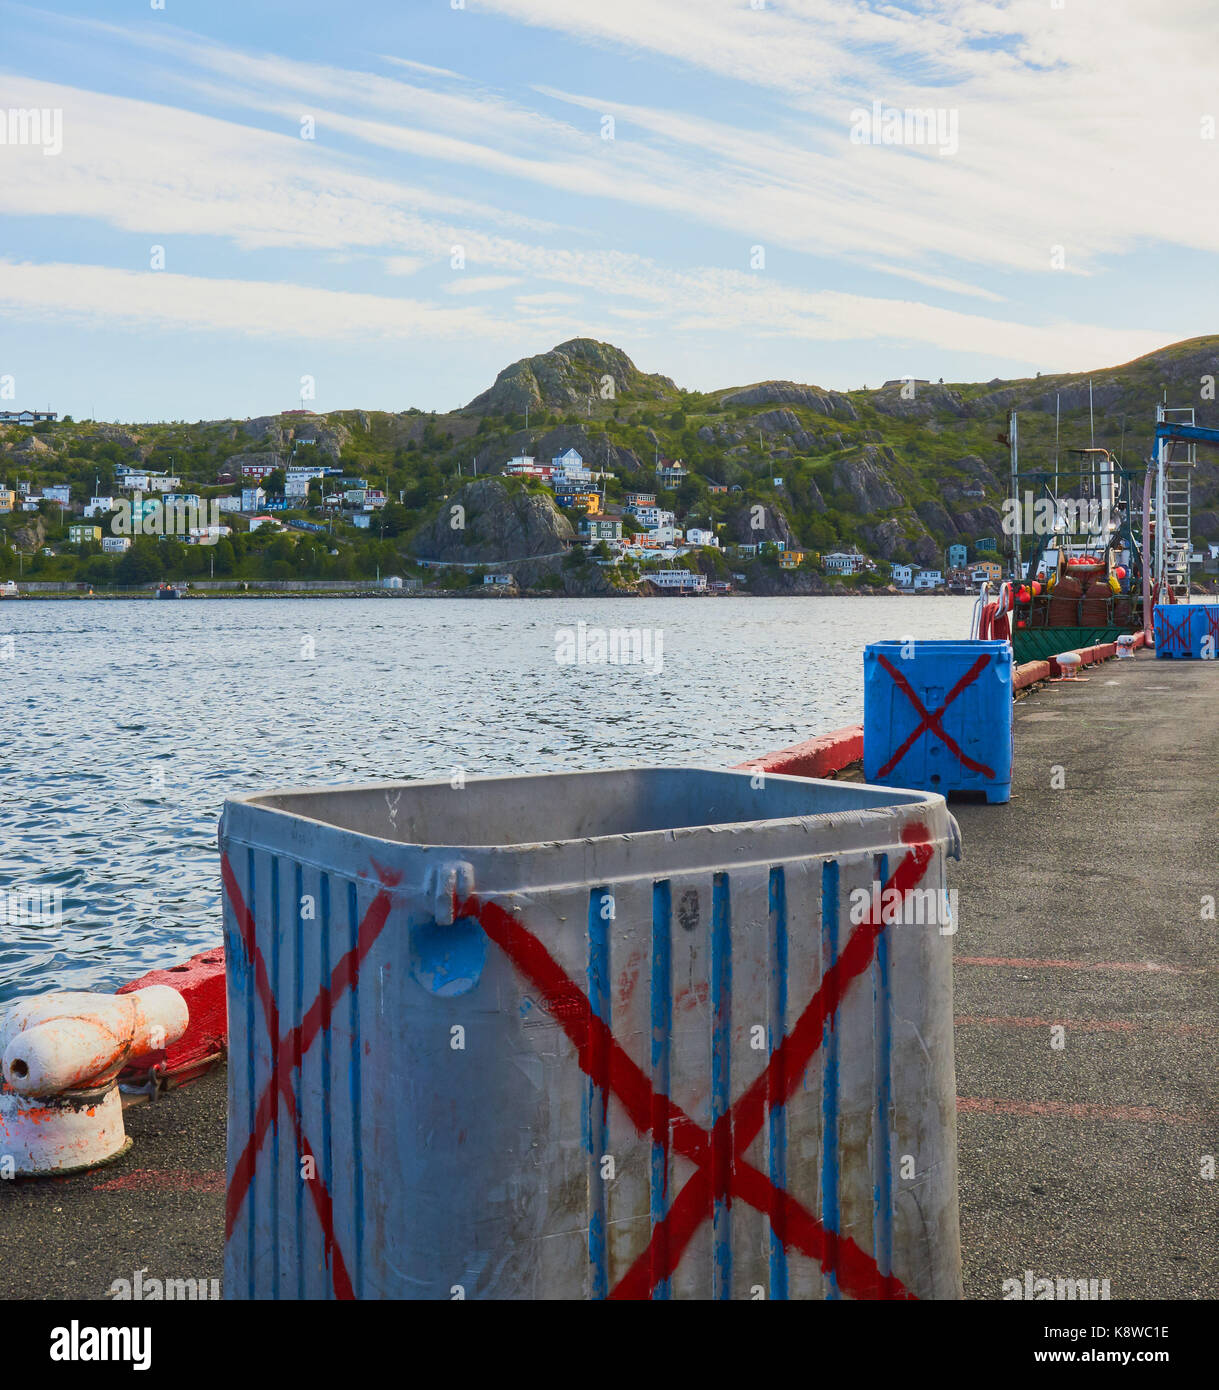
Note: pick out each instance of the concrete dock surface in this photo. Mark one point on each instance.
(157, 1209)
(1088, 902)
(1086, 993)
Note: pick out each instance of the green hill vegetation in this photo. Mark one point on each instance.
(899, 473)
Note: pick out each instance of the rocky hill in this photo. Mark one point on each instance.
(899, 472)
(491, 520)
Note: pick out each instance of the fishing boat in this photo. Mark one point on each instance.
(168, 591)
(1094, 545)
(9, 589)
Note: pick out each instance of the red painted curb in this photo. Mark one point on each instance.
(1030, 673)
(818, 757)
(200, 981)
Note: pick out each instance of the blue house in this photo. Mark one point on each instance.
(958, 556)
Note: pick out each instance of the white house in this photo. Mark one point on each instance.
(208, 535)
(60, 493)
(252, 498)
(928, 579)
(115, 545)
(652, 516)
(697, 536)
(98, 506)
(844, 562)
(903, 575)
(147, 482)
(526, 466)
(570, 465)
(26, 417)
(678, 579)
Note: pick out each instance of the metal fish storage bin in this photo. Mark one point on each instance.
(635, 1033)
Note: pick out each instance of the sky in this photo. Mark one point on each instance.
(229, 209)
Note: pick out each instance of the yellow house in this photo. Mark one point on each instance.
(8, 499)
(985, 570)
(590, 501)
(82, 531)
(790, 559)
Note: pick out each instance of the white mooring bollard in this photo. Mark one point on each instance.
(60, 1056)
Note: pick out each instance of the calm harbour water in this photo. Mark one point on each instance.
(127, 725)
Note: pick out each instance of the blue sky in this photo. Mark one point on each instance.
(459, 205)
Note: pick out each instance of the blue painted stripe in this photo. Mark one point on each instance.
(298, 995)
(882, 1139)
(325, 1151)
(357, 1053)
(777, 1120)
(252, 1050)
(662, 1052)
(721, 1079)
(596, 1119)
(831, 1216)
(274, 1154)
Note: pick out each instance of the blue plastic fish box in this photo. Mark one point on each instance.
(938, 716)
(1187, 630)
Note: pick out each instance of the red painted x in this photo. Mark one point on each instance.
(930, 722)
(286, 1053)
(1178, 631)
(722, 1172)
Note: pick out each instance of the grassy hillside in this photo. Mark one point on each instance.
(899, 476)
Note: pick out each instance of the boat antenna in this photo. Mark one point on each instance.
(1091, 415)
(1057, 427)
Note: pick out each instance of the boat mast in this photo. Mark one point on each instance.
(1014, 443)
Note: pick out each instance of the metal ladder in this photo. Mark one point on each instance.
(1174, 498)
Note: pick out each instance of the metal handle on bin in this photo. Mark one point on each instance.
(446, 885)
(954, 839)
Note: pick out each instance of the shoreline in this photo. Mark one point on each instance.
(458, 593)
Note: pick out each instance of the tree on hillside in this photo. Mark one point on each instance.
(140, 565)
(225, 558)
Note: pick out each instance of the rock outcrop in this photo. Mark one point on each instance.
(567, 376)
(488, 521)
(751, 525)
(792, 393)
(866, 479)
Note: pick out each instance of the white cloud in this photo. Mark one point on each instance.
(728, 303)
(1052, 151)
(547, 298)
(480, 284)
(101, 296)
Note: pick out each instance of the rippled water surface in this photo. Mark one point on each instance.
(127, 725)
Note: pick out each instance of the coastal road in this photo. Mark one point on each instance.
(1087, 906)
